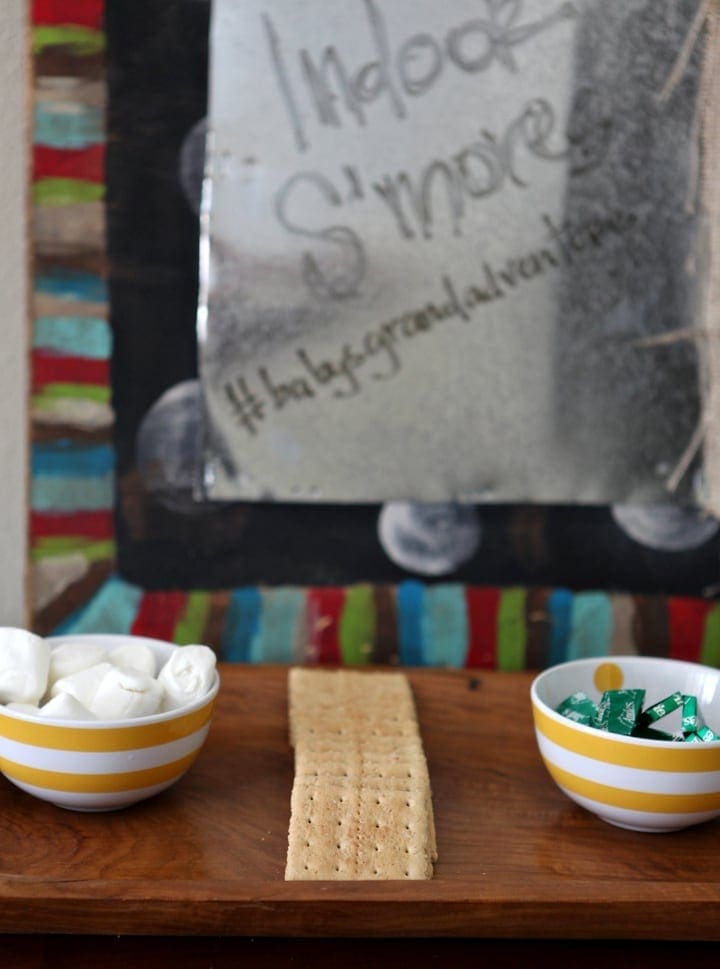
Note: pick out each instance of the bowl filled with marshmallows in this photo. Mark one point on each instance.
(99, 722)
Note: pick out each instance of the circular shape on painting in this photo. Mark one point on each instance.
(192, 164)
(430, 539)
(168, 449)
(666, 527)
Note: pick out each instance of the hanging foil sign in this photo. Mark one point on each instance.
(442, 247)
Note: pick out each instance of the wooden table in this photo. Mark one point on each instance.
(518, 860)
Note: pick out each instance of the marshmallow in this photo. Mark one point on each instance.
(134, 656)
(24, 666)
(64, 706)
(187, 675)
(69, 658)
(27, 708)
(125, 693)
(83, 685)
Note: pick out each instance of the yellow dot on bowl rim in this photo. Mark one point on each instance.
(608, 676)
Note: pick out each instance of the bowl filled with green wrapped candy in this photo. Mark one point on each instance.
(633, 739)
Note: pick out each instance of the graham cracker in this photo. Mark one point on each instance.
(361, 804)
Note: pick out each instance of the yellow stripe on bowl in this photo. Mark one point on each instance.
(650, 755)
(96, 783)
(98, 739)
(633, 800)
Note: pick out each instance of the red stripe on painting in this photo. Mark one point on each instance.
(53, 368)
(482, 609)
(324, 609)
(158, 614)
(88, 524)
(87, 164)
(83, 13)
(687, 625)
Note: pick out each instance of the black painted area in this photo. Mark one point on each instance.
(157, 73)
(157, 77)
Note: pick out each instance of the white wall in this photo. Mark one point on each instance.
(14, 88)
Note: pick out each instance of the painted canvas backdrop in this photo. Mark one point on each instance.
(167, 539)
(117, 544)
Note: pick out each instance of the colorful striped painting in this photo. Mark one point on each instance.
(72, 480)
(411, 624)
(71, 530)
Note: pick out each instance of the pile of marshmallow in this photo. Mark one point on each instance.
(86, 681)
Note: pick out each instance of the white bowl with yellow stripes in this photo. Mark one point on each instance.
(645, 785)
(102, 765)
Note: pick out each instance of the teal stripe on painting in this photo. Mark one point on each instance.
(591, 625)
(59, 124)
(409, 604)
(444, 625)
(74, 336)
(281, 613)
(111, 610)
(71, 284)
(60, 493)
(560, 607)
(72, 461)
(242, 622)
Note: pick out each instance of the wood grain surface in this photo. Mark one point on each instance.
(517, 859)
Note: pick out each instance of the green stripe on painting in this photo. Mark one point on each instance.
(511, 630)
(190, 628)
(445, 625)
(81, 41)
(66, 191)
(357, 625)
(52, 392)
(710, 649)
(86, 414)
(591, 626)
(55, 545)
